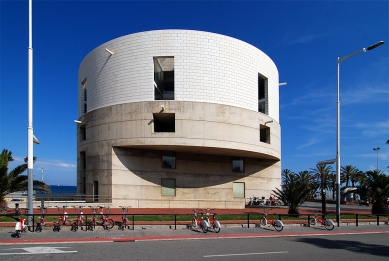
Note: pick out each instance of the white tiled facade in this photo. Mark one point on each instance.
(208, 68)
(216, 120)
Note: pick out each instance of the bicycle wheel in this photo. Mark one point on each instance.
(263, 221)
(217, 229)
(312, 221)
(278, 225)
(204, 228)
(216, 226)
(38, 229)
(110, 223)
(329, 225)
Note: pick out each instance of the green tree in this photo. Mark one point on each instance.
(375, 185)
(14, 180)
(324, 176)
(296, 189)
(348, 172)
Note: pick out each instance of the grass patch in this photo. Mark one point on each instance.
(9, 219)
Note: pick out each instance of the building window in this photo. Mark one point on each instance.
(83, 185)
(83, 160)
(95, 191)
(85, 95)
(262, 94)
(163, 78)
(264, 134)
(238, 165)
(164, 122)
(82, 133)
(168, 187)
(238, 189)
(168, 160)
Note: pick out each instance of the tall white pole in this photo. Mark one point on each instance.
(341, 59)
(337, 183)
(30, 141)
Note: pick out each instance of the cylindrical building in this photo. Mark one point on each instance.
(177, 118)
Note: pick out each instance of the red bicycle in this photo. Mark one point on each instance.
(201, 222)
(41, 223)
(212, 222)
(63, 218)
(92, 225)
(122, 225)
(79, 220)
(327, 223)
(268, 220)
(106, 222)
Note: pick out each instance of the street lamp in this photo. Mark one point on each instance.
(30, 134)
(341, 59)
(377, 149)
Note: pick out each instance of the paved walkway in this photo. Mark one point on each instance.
(47, 236)
(182, 230)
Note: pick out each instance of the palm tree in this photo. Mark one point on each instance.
(347, 172)
(14, 181)
(323, 175)
(296, 189)
(375, 184)
(284, 174)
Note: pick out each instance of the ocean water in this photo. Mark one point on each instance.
(58, 189)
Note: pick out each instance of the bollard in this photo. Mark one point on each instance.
(17, 212)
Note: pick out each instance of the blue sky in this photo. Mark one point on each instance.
(303, 38)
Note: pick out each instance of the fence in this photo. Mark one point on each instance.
(172, 220)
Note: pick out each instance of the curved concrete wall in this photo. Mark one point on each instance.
(216, 121)
(208, 68)
(204, 128)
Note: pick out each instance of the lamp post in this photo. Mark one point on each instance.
(341, 59)
(377, 149)
(30, 133)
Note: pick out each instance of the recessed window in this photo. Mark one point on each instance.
(168, 187)
(83, 185)
(238, 165)
(82, 133)
(163, 78)
(83, 160)
(238, 189)
(264, 134)
(262, 94)
(83, 83)
(164, 122)
(168, 160)
(95, 191)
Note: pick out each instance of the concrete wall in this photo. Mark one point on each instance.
(216, 119)
(124, 153)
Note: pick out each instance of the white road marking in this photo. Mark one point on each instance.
(248, 254)
(38, 250)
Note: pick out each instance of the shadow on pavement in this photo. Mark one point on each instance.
(353, 246)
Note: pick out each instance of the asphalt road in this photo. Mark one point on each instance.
(319, 248)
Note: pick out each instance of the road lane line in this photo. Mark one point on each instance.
(248, 254)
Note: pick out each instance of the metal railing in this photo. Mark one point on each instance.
(173, 220)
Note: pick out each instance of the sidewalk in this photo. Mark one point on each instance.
(182, 230)
(145, 233)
